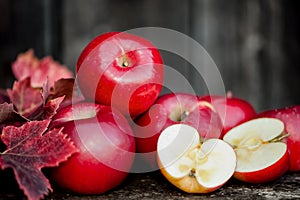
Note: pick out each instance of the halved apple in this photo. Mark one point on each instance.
(291, 119)
(191, 165)
(261, 155)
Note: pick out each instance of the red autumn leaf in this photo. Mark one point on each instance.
(8, 116)
(3, 97)
(63, 87)
(50, 105)
(46, 91)
(48, 110)
(25, 98)
(31, 103)
(67, 88)
(30, 148)
(6, 112)
(27, 65)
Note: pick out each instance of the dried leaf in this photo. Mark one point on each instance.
(27, 65)
(48, 110)
(67, 88)
(25, 98)
(45, 91)
(7, 112)
(30, 148)
(3, 97)
(31, 103)
(8, 116)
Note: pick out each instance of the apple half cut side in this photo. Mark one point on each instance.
(190, 165)
(261, 155)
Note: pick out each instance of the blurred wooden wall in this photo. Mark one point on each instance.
(254, 43)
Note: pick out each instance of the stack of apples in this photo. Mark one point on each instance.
(198, 142)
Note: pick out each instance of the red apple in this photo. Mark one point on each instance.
(233, 111)
(261, 155)
(175, 108)
(291, 118)
(122, 70)
(106, 148)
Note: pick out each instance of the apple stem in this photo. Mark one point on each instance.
(125, 64)
(123, 61)
(186, 113)
(280, 137)
(229, 94)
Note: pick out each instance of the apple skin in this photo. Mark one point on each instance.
(291, 118)
(113, 144)
(122, 70)
(267, 174)
(166, 111)
(193, 183)
(233, 111)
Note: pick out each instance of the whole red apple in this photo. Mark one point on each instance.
(122, 70)
(291, 118)
(174, 108)
(233, 111)
(106, 148)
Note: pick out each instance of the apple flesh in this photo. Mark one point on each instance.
(233, 111)
(122, 70)
(261, 156)
(174, 108)
(291, 118)
(106, 149)
(191, 165)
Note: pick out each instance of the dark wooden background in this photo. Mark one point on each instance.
(255, 43)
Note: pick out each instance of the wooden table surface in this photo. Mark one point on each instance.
(153, 185)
